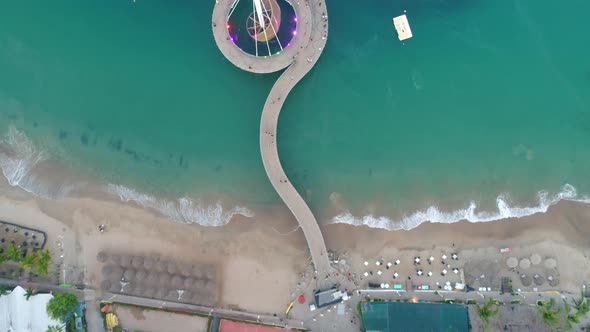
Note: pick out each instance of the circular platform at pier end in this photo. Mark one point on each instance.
(242, 38)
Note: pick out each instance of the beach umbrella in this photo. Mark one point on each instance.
(377, 263)
(188, 283)
(151, 279)
(454, 256)
(416, 259)
(553, 281)
(431, 259)
(382, 285)
(107, 270)
(210, 273)
(525, 280)
(161, 293)
(538, 279)
(105, 285)
(395, 275)
(164, 278)
(137, 262)
(455, 270)
(125, 261)
(171, 268)
(186, 297)
(198, 273)
(148, 263)
(161, 266)
(129, 274)
(301, 299)
(512, 262)
(379, 272)
(535, 259)
(115, 259)
(139, 290)
(366, 274)
(177, 281)
(444, 271)
(366, 263)
(444, 256)
(102, 257)
(429, 273)
(550, 263)
(525, 263)
(397, 261)
(140, 275)
(389, 264)
(419, 272)
(186, 270)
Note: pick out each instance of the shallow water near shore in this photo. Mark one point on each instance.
(484, 114)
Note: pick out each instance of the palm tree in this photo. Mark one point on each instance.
(43, 260)
(4, 290)
(550, 313)
(13, 253)
(487, 311)
(30, 260)
(30, 292)
(54, 328)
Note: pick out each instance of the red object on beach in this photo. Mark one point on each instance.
(301, 299)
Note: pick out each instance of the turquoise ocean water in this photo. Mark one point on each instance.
(483, 115)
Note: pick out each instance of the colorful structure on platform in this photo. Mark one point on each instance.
(262, 27)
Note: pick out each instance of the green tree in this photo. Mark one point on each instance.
(486, 312)
(43, 260)
(550, 313)
(54, 328)
(30, 260)
(61, 304)
(13, 253)
(29, 292)
(4, 290)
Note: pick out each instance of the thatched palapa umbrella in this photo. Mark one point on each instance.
(151, 279)
(107, 270)
(149, 292)
(199, 284)
(149, 263)
(139, 290)
(102, 256)
(117, 273)
(188, 283)
(137, 262)
(161, 266)
(105, 285)
(164, 278)
(125, 261)
(116, 259)
(526, 280)
(140, 275)
(161, 293)
(171, 268)
(197, 271)
(186, 297)
(129, 274)
(172, 295)
(186, 270)
(538, 279)
(177, 282)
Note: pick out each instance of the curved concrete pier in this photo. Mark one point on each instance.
(300, 57)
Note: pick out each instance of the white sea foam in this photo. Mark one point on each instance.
(183, 209)
(20, 158)
(435, 215)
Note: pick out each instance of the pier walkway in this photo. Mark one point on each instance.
(300, 57)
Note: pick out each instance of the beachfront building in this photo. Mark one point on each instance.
(19, 314)
(416, 317)
(262, 28)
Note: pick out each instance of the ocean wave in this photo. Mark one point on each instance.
(435, 215)
(23, 165)
(183, 209)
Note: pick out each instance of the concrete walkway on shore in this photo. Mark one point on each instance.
(301, 56)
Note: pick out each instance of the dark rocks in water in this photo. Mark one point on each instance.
(84, 139)
(63, 134)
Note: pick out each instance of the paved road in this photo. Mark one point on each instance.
(312, 33)
(202, 310)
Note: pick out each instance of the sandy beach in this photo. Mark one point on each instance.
(260, 260)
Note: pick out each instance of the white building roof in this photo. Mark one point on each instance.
(19, 315)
